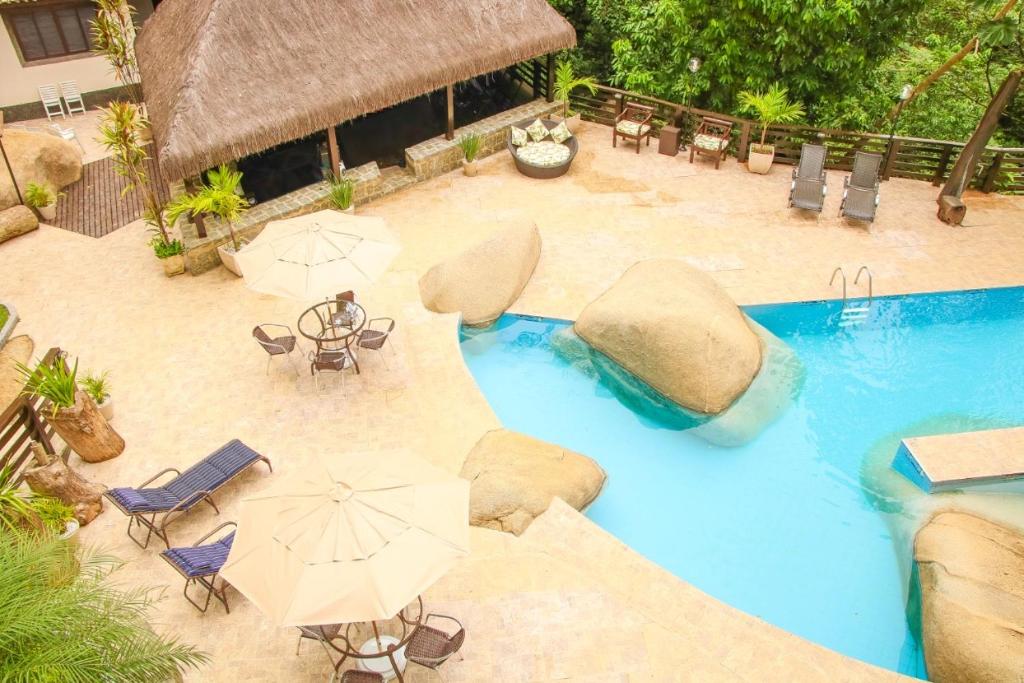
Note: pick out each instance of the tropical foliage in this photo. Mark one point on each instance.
(566, 81)
(97, 386)
(113, 37)
(55, 382)
(37, 195)
(341, 192)
(64, 623)
(771, 106)
(218, 196)
(470, 145)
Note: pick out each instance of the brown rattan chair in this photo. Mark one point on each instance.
(356, 676)
(322, 635)
(374, 340)
(282, 345)
(634, 123)
(431, 647)
(329, 360)
(712, 139)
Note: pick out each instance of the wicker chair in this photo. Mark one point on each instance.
(322, 635)
(329, 360)
(431, 647)
(860, 188)
(374, 340)
(356, 676)
(282, 345)
(712, 139)
(634, 123)
(809, 185)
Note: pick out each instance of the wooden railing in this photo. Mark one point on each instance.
(22, 423)
(533, 73)
(999, 169)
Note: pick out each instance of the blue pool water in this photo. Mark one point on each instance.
(796, 526)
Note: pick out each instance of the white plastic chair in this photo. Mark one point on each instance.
(72, 97)
(67, 134)
(51, 100)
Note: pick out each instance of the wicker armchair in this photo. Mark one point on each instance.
(329, 360)
(634, 123)
(322, 635)
(431, 647)
(281, 345)
(356, 676)
(374, 340)
(712, 139)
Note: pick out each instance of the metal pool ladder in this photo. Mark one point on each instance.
(854, 314)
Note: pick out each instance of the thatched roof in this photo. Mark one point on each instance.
(226, 78)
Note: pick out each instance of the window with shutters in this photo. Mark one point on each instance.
(49, 31)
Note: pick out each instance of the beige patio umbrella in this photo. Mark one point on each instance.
(354, 539)
(317, 255)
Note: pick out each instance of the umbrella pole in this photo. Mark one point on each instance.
(376, 634)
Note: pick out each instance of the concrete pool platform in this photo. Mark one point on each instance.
(949, 461)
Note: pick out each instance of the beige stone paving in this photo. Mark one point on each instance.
(977, 457)
(86, 129)
(565, 601)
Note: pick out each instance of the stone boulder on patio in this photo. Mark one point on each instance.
(972, 598)
(38, 158)
(483, 281)
(673, 327)
(15, 221)
(16, 350)
(513, 478)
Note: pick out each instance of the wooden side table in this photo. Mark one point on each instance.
(668, 140)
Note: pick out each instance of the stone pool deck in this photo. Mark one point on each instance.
(564, 602)
(947, 461)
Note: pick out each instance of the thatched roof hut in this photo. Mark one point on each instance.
(227, 78)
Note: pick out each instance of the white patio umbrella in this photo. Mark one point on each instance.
(354, 540)
(318, 255)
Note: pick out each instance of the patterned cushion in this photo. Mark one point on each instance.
(631, 128)
(710, 142)
(537, 130)
(202, 560)
(544, 154)
(144, 500)
(519, 137)
(560, 133)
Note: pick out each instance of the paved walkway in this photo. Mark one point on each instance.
(565, 601)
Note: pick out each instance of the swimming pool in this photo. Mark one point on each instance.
(807, 526)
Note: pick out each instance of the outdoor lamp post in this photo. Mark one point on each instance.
(694, 66)
(7, 162)
(905, 92)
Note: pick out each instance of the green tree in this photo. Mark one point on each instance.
(63, 623)
(218, 196)
(771, 106)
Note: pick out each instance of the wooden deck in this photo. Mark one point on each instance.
(94, 206)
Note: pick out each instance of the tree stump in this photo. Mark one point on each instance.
(52, 477)
(951, 210)
(86, 431)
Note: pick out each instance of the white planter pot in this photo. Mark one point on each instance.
(48, 212)
(227, 257)
(107, 408)
(760, 162)
(350, 210)
(173, 265)
(70, 529)
(469, 168)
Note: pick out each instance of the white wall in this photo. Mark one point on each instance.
(18, 82)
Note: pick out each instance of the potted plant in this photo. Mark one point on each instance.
(772, 106)
(341, 193)
(220, 196)
(42, 199)
(73, 415)
(16, 511)
(99, 390)
(55, 516)
(171, 255)
(565, 82)
(470, 146)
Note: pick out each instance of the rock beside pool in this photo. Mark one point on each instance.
(513, 478)
(16, 350)
(38, 158)
(673, 327)
(16, 221)
(972, 598)
(483, 281)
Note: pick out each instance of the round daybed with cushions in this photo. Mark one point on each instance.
(544, 159)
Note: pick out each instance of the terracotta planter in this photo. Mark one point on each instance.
(760, 162)
(48, 212)
(227, 257)
(84, 428)
(173, 265)
(469, 168)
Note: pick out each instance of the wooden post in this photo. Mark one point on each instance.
(536, 78)
(198, 219)
(890, 158)
(940, 171)
(993, 173)
(550, 94)
(333, 152)
(620, 104)
(741, 153)
(449, 132)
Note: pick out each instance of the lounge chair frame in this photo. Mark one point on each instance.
(72, 97)
(50, 98)
(809, 185)
(148, 519)
(861, 188)
(207, 581)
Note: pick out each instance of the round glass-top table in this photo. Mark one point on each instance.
(333, 326)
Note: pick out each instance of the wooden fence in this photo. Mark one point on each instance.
(22, 423)
(999, 169)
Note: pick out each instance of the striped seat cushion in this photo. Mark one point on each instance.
(201, 560)
(200, 477)
(232, 458)
(144, 500)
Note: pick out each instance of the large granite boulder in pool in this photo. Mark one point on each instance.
(38, 158)
(673, 327)
(514, 477)
(483, 281)
(972, 598)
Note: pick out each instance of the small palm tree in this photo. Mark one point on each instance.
(772, 106)
(64, 622)
(566, 81)
(218, 196)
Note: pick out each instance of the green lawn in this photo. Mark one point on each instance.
(3, 315)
